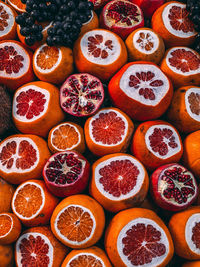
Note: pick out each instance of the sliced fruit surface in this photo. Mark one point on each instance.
(17, 5)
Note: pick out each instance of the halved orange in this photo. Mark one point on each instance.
(17, 5)
(6, 194)
(66, 136)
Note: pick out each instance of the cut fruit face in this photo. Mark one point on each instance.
(34, 249)
(192, 103)
(144, 83)
(162, 141)
(6, 224)
(18, 5)
(146, 41)
(30, 103)
(142, 242)
(175, 18)
(18, 154)
(7, 19)
(85, 259)
(119, 177)
(100, 47)
(192, 233)
(75, 224)
(108, 128)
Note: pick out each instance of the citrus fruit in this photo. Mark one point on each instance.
(145, 44)
(185, 230)
(37, 246)
(6, 256)
(6, 194)
(92, 256)
(141, 90)
(15, 64)
(156, 143)
(172, 23)
(99, 52)
(138, 237)
(119, 181)
(108, 131)
(182, 66)
(52, 64)
(33, 204)
(91, 24)
(191, 264)
(149, 6)
(98, 3)
(22, 157)
(17, 5)
(184, 111)
(36, 108)
(66, 136)
(8, 25)
(66, 173)
(78, 221)
(10, 228)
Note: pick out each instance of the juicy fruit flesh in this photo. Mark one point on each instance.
(96, 51)
(4, 16)
(85, 260)
(145, 41)
(192, 103)
(196, 235)
(47, 57)
(5, 224)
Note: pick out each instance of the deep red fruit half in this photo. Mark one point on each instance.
(66, 173)
(173, 187)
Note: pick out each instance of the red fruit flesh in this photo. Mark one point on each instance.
(173, 187)
(98, 3)
(66, 173)
(148, 6)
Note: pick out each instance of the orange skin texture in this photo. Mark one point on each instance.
(36, 173)
(50, 203)
(6, 256)
(6, 194)
(177, 226)
(53, 115)
(123, 218)
(133, 108)
(94, 250)
(177, 79)
(191, 264)
(103, 72)
(59, 250)
(101, 150)
(13, 83)
(13, 235)
(134, 54)
(89, 203)
(170, 39)
(91, 25)
(63, 70)
(115, 206)
(141, 152)
(191, 153)
(178, 114)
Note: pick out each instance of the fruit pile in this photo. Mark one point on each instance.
(100, 133)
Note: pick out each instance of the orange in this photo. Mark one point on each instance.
(6, 256)
(10, 228)
(146, 45)
(184, 112)
(17, 5)
(138, 237)
(22, 157)
(66, 136)
(191, 264)
(92, 256)
(108, 131)
(36, 108)
(185, 230)
(99, 52)
(6, 194)
(78, 221)
(53, 64)
(33, 204)
(91, 24)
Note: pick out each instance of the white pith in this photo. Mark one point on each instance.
(63, 124)
(26, 236)
(171, 151)
(62, 237)
(153, 38)
(20, 51)
(134, 191)
(191, 72)
(39, 50)
(17, 140)
(25, 89)
(193, 219)
(134, 93)
(17, 192)
(10, 20)
(166, 21)
(11, 227)
(96, 116)
(187, 104)
(85, 254)
(113, 54)
(87, 22)
(164, 240)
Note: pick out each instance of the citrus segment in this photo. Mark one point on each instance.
(17, 5)
(5, 225)
(48, 58)
(193, 236)
(86, 260)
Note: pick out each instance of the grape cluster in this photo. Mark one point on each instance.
(67, 17)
